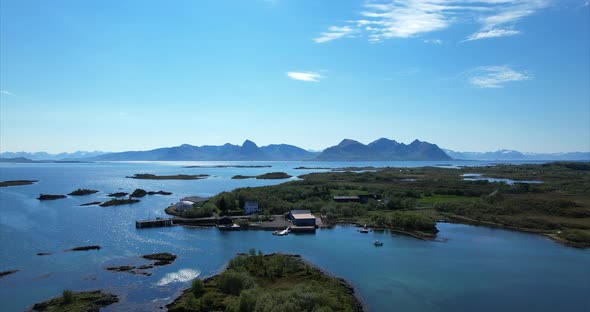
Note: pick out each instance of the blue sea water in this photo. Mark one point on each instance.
(476, 268)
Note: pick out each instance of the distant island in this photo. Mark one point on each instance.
(82, 192)
(50, 196)
(17, 183)
(146, 176)
(266, 176)
(274, 282)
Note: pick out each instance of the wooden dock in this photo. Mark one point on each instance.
(153, 223)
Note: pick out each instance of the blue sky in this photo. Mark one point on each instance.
(135, 75)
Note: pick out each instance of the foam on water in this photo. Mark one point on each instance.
(183, 275)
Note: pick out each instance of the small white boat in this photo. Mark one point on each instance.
(364, 230)
(377, 243)
(284, 232)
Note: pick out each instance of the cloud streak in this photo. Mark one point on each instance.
(305, 76)
(495, 76)
(412, 18)
(335, 32)
(5, 92)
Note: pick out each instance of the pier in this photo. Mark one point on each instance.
(159, 222)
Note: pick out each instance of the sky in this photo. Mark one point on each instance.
(467, 75)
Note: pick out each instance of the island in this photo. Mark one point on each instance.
(273, 282)
(91, 204)
(118, 202)
(162, 258)
(77, 301)
(146, 176)
(82, 192)
(85, 248)
(50, 197)
(412, 200)
(159, 193)
(118, 194)
(4, 273)
(266, 176)
(17, 182)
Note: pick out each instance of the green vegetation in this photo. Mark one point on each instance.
(118, 202)
(276, 282)
(68, 296)
(138, 193)
(77, 302)
(17, 182)
(82, 192)
(147, 176)
(266, 176)
(199, 210)
(560, 203)
(273, 175)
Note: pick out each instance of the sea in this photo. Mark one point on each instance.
(469, 268)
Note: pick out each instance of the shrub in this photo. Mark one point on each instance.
(68, 296)
(197, 287)
(232, 283)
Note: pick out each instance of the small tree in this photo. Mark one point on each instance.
(198, 287)
(68, 296)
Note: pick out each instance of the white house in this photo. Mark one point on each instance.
(251, 207)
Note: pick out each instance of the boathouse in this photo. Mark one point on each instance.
(251, 207)
(301, 217)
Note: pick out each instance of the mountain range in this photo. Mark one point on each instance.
(516, 155)
(382, 149)
(347, 150)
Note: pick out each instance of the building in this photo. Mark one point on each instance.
(301, 217)
(184, 205)
(355, 199)
(347, 199)
(251, 207)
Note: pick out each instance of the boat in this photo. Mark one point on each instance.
(284, 232)
(275, 232)
(364, 230)
(377, 243)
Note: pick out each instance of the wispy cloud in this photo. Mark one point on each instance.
(495, 76)
(5, 92)
(335, 32)
(305, 76)
(433, 41)
(411, 18)
(492, 33)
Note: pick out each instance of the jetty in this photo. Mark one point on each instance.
(158, 222)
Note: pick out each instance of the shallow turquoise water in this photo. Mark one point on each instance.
(477, 268)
